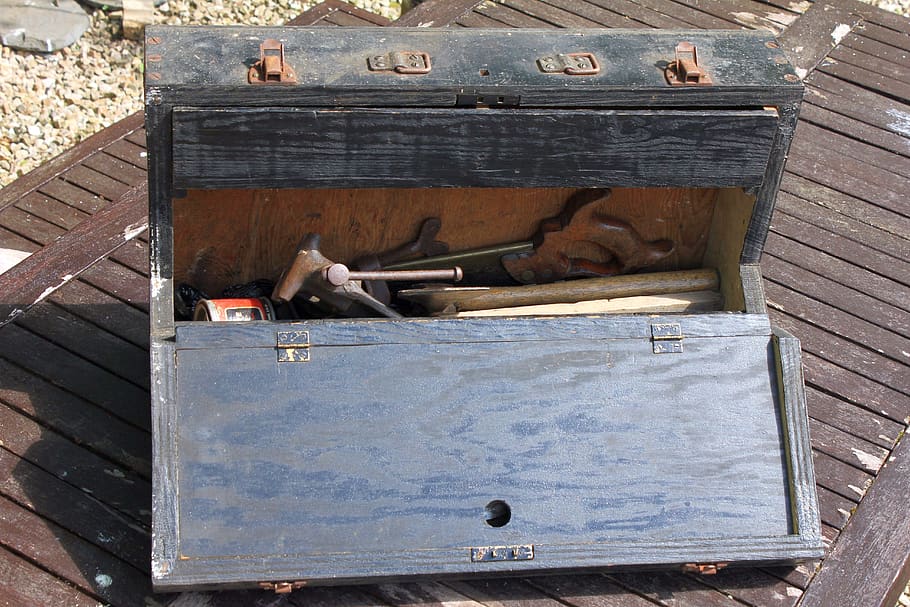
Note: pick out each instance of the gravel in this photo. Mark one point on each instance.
(49, 102)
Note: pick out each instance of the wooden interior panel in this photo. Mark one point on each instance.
(725, 243)
(225, 237)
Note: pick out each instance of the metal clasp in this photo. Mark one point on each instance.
(685, 71)
(271, 67)
(401, 62)
(282, 587)
(574, 64)
(703, 568)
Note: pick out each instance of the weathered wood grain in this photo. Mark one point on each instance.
(34, 586)
(877, 533)
(261, 148)
(854, 420)
(814, 34)
(436, 13)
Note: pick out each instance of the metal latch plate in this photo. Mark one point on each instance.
(401, 62)
(488, 554)
(574, 64)
(293, 346)
(666, 338)
(271, 67)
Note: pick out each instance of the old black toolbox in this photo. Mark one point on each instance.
(353, 450)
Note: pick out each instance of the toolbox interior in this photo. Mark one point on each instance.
(229, 237)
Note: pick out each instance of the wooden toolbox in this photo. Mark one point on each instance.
(343, 445)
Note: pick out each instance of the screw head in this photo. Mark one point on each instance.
(791, 78)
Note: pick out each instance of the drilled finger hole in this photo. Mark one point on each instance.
(497, 513)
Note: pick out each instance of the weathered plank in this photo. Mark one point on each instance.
(75, 374)
(851, 127)
(73, 509)
(673, 589)
(867, 105)
(814, 34)
(421, 594)
(22, 583)
(587, 591)
(754, 587)
(32, 280)
(116, 169)
(834, 509)
(90, 569)
(436, 13)
(846, 447)
(127, 151)
(551, 14)
(641, 14)
(840, 478)
(877, 534)
(509, 16)
(853, 420)
(76, 419)
(105, 311)
(118, 488)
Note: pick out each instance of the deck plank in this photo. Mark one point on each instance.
(852, 420)
(24, 584)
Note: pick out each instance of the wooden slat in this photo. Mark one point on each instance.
(436, 13)
(103, 310)
(846, 447)
(24, 584)
(835, 510)
(868, 79)
(812, 36)
(49, 170)
(595, 12)
(76, 419)
(673, 589)
(32, 280)
(95, 182)
(852, 387)
(855, 129)
(897, 38)
(73, 509)
(421, 594)
(879, 287)
(587, 591)
(688, 14)
(92, 570)
(75, 374)
(475, 19)
(113, 167)
(855, 101)
(509, 16)
(874, 48)
(551, 14)
(870, 63)
(510, 591)
(883, 219)
(750, 14)
(840, 478)
(318, 13)
(126, 151)
(853, 420)
(876, 535)
(120, 282)
(118, 488)
(72, 195)
(641, 14)
(754, 587)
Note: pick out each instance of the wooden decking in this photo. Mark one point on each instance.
(75, 449)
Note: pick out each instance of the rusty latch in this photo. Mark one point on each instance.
(401, 62)
(574, 64)
(685, 71)
(282, 587)
(703, 568)
(271, 67)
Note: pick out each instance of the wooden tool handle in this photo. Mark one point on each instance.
(697, 301)
(456, 299)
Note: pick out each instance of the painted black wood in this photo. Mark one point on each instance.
(208, 66)
(413, 147)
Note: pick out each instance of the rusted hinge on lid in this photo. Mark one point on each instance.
(282, 587)
(271, 67)
(685, 70)
(703, 568)
(573, 64)
(401, 62)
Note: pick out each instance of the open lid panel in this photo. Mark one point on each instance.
(336, 451)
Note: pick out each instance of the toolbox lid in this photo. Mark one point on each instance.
(400, 67)
(394, 448)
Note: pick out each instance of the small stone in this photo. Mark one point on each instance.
(41, 25)
(34, 130)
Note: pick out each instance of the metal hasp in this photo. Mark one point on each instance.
(685, 71)
(293, 346)
(573, 64)
(666, 338)
(401, 62)
(271, 67)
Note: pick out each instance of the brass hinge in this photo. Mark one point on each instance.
(293, 346)
(573, 64)
(666, 338)
(282, 587)
(685, 70)
(401, 62)
(271, 67)
(703, 568)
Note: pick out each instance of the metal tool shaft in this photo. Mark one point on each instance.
(337, 274)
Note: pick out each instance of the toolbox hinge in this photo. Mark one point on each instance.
(282, 587)
(666, 338)
(401, 62)
(573, 64)
(293, 346)
(703, 568)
